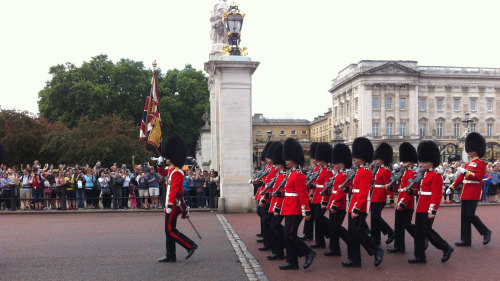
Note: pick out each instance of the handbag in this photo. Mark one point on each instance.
(47, 191)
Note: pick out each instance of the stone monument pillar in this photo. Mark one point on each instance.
(231, 81)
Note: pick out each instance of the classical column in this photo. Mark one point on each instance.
(232, 127)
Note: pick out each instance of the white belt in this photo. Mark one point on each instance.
(319, 186)
(468, 181)
(355, 190)
(401, 190)
(379, 185)
(290, 194)
(425, 192)
(334, 192)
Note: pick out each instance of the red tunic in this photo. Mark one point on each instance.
(360, 189)
(472, 189)
(266, 180)
(174, 188)
(431, 192)
(276, 202)
(261, 187)
(296, 197)
(339, 197)
(315, 169)
(323, 177)
(407, 200)
(383, 177)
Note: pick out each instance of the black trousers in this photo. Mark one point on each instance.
(277, 240)
(337, 230)
(173, 235)
(423, 229)
(402, 222)
(259, 210)
(265, 224)
(359, 234)
(295, 247)
(309, 225)
(377, 223)
(320, 225)
(469, 217)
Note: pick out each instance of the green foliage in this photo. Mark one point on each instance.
(100, 87)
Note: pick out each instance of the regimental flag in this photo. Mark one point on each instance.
(151, 121)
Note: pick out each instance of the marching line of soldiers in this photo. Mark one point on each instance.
(342, 183)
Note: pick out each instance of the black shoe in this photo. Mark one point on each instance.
(264, 248)
(306, 237)
(417, 260)
(331, 253)
(273, 257)
(447, 254)
(350, 263)
(259, 235)
(462, 244)
(389, 239)
(379, 257)
(287, 266)
(165, 259)
(426, 243)
(191, 252)
(260, 240)
(487, 237)
(317, 246)
(395, 250)
(309, 260)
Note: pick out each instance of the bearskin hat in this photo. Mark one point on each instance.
(175, 150)
(278, 154)
(264, 152)
(292, 150)
(428, 151)
(323, 152)
(312, 150)
(342, 154)
(362, 148)
(2, 153)
(474, 142)
(407, 153)
(384, 153)
(270, 150)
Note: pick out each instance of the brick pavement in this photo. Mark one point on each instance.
(474, 263)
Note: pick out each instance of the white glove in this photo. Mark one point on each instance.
(461, 170)
(169, 210)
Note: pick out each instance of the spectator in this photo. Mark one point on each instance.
(187, 186)
(493, 187)
(213, 188)
(60, 184)
(89, 180)
(37, 185)
(206, 181)
(198, 185)
(125, 187)
(6, 187)
(104, 181)
(25, 194)
(449, 178)
(69, 183)
(132, 189)
(48, 190)
(154, 187)
(143, 189)
(79, 189)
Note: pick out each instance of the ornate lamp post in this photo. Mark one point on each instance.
(234, 21)
(269, 135)
(467, 121)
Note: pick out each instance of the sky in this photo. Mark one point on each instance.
(301, 45)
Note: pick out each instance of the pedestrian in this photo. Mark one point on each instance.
(175, 151)
(104, 184)
(153, 181)
(143, 189)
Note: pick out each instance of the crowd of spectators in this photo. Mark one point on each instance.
(37, 187)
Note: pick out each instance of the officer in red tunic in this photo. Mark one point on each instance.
(174, 150)
(383, 160)
(405, 204)
(259, 183)
(323, 156)
(265, 200)
(277, 240)
(362, 154)
(295, 206)
(471, 176)
(342, 161)
(308, 230)
(430, 194)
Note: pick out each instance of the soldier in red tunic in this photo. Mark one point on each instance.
(308, 230)
(405, 204)
(277, 241)
(323, 156)
(295, 206)
(258, 182)
(362, 154)
(430, 194)
(174, 150)
(471, 176)
(383, 160)
(342, 161)
(265, 200)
